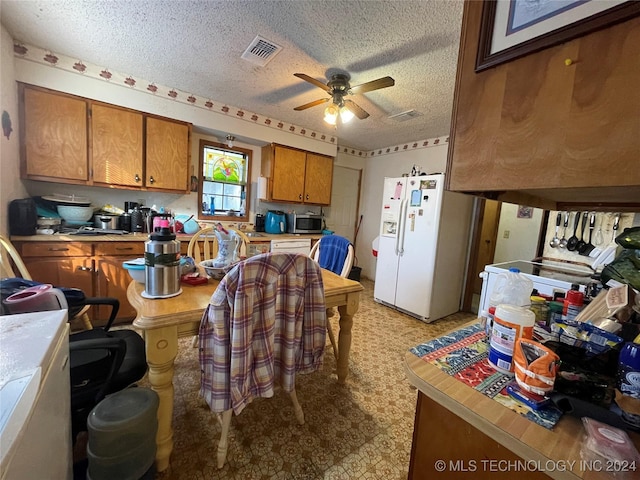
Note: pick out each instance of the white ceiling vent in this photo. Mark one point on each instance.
(261, 51)
(404, 116)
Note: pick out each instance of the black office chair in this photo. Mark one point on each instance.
(102, 361)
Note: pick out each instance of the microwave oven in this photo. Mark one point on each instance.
(304, 223)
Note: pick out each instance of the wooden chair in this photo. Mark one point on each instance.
(204, 244)
(10, 261)
(273, 354)
(344, 272)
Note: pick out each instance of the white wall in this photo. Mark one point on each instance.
(431, 159)
(523, 234)
(10, 185)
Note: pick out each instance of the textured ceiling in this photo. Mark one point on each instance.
(195, 46)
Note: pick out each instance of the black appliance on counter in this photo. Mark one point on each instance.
(259, 223)
(23, 218)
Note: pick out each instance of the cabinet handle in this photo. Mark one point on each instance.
(300, 197)
(61, 249)
(307, 197)
(85, 269)
(151, 180)
(124, 248)
(137, 178)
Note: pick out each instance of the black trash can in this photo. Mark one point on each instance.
(354, 274)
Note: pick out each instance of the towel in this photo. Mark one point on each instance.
(333, 252)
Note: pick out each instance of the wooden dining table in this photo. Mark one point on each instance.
(163, 321)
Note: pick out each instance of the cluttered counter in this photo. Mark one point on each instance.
(461, 431)
(142, 237)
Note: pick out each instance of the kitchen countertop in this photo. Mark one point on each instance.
(556, 447)
(142, 237)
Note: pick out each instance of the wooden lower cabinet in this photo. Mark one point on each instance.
(446, 447)
(93, 267)
(112, 279)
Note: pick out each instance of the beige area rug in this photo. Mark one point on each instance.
(360, 430)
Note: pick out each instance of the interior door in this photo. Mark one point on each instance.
(345, 202)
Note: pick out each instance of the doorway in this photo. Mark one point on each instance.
(501, 232)
(483, 246)
(345, 198)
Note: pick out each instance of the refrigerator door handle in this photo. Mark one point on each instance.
(401, 228)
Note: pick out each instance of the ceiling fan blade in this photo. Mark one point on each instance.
(313, 81)
(355, 109)
(383, 82)
(312, 104)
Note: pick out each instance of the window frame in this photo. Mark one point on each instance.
(247, 187)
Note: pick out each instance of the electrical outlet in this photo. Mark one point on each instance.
(506, 234)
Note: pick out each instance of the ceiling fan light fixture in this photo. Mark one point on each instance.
(346, 115)
(331, 114)
(230, 139)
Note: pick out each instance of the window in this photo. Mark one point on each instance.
(225, 182)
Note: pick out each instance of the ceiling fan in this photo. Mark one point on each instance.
(338, 87)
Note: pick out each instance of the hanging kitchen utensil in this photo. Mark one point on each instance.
(599, 236)
(616, 223)
(555, 241)
(581, 242)
(587, 248)
(573, 240)
(563, 240)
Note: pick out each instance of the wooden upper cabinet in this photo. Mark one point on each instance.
(296, 176)
(117, 146)
(69, 139)
(54, 133)
(288, 175)
(539, 132)
(167, 157)
(318, 179)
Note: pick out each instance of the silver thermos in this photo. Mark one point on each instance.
(162, 264)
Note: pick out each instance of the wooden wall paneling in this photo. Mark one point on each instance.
(539, 132)
(605, 110)
(475, 121)
(533, 120)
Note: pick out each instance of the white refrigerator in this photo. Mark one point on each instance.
(423, 247)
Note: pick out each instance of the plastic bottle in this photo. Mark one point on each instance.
(512, 288)
(573, 303)
(628, 383)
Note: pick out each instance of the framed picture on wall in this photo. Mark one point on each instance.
(510, 29)
(525, 212)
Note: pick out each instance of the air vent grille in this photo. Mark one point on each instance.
(261, 51)
(404, 116)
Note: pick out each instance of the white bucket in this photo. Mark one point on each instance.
(509, 324)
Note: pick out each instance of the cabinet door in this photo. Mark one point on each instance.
(318, 179)
(71, 272)
(117, 146)
(167, 158)
(54, 136)
(288, 175)
(113, 279)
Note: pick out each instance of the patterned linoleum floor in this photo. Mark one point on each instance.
(360, 430)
